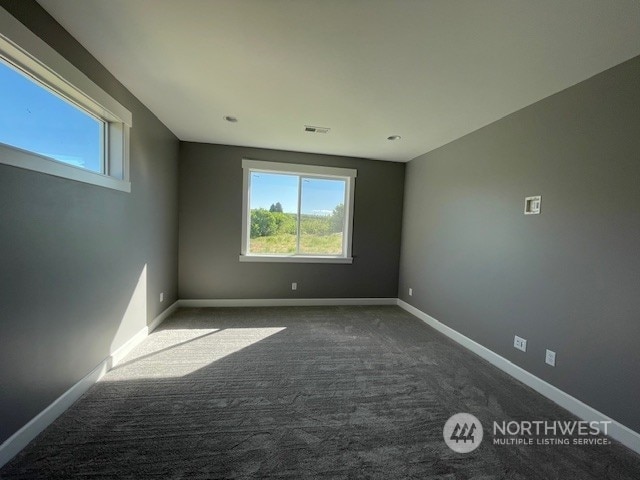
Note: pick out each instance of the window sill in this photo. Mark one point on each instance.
(294, 259)
(16, 157)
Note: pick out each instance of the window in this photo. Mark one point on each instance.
(297, 213)
(35, 119)
(54, 119)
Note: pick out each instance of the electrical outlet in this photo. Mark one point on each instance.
(294, 286)
(520, 343)
(550, 358)
(161, 296)
(410, 291)
(532, 205)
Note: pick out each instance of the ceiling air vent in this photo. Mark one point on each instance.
(312, 129)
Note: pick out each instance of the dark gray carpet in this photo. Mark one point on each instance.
(339, 392)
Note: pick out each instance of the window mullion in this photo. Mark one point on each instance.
(299, 215)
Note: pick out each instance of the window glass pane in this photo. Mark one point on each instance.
(35, 119)
(322, 216)
(274, 213)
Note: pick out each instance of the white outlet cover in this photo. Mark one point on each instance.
(550, 358)
(294, 286)
(162, 297)
(410, 291)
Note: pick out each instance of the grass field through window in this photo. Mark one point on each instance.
(309, 244)
(275, 232)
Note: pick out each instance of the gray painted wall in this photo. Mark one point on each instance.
(71, 254)
(211, 222)
(568, 279)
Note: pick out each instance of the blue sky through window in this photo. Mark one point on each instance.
(35, 119)
(319, 196)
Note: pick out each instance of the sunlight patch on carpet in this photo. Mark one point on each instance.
(178, 352)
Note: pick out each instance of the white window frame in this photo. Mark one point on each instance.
(25, 51)
(348, 175)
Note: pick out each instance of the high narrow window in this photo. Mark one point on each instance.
(53, 119)
(297, 213)
(35, 119)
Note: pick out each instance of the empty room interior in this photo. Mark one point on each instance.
(337, 239)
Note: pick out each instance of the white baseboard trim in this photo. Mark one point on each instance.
(616, 430)
(117, 356)
(16, 442)
(285, 302)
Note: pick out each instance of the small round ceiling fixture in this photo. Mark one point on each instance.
(231, 118)
(394, 137)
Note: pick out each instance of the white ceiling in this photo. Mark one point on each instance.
(430, 70)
